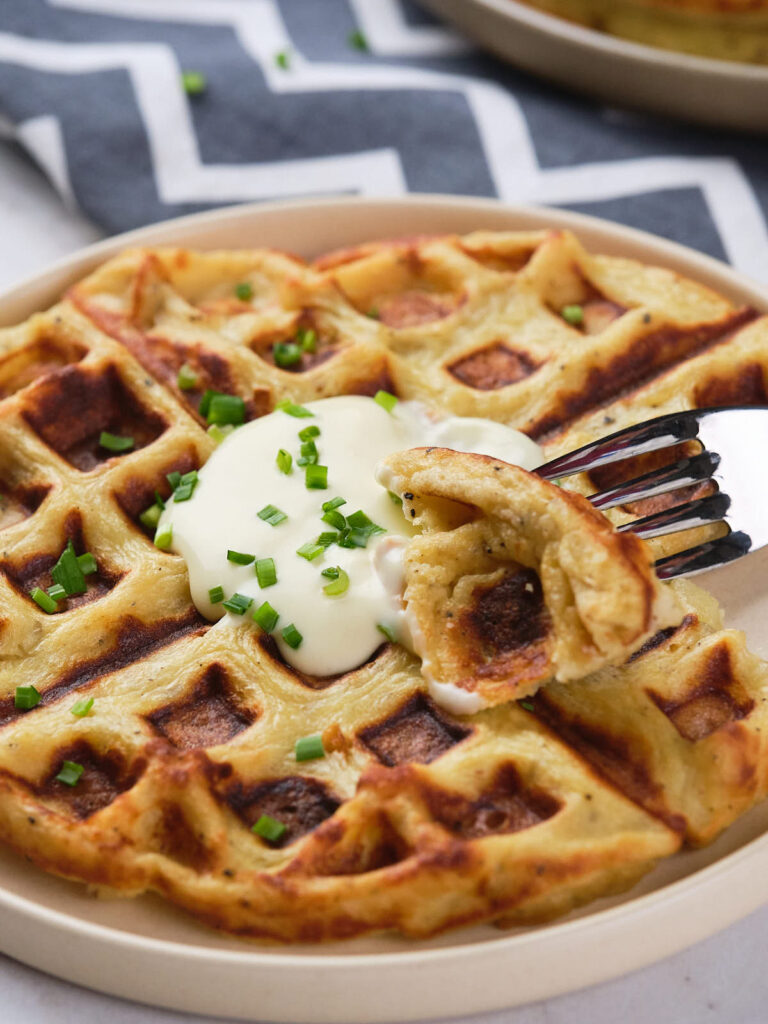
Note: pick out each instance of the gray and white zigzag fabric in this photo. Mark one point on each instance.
(92, 89)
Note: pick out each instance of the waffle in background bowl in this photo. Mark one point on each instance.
(416, 820)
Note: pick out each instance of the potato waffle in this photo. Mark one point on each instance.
(415, 820)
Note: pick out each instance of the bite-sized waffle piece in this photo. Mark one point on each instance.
(415, 820)
(513, 581)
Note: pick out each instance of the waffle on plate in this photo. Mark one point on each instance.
(416, 819)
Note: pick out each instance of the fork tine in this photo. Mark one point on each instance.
(659, 481)
(644, 437)
(710, 555)
(683, 517)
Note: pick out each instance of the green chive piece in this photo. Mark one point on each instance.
(331, 573)
(283, 59)
(244, 291)
(164, 537)
(573, 315)
(395, 499)
(527, 705)
(388, 632)
(307, 338)
(292, 636)
(186, 487)
(284, 461)
(292, 409)
(57, 592)
(386, 400)
(272, 515)
(269, 828)
(216, 595)
(194, 83)
(219, 433)
(266, 617)
(205, 404)
(338, 586)
(87, 563)
(224, 409)
(316, 477)
(238, 603)
(67, 572)
(174, 479)
(358, 41)
(150, 517)
(361, 528)
(70, 773)
(43, 600)
(158, 500)
(309, 454)
(26, 697)
(373, 313)
(240, 557)
(81, 707)
(115, 443)
(326, 539)
(335, 519)
(332, 503)
(266, 573)
(287, 353)
(187, 379)
(310, 432)
(310, 550)
(309, 748)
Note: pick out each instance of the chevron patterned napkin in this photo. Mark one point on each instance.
(140, 110)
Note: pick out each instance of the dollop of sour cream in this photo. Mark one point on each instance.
(338, 633)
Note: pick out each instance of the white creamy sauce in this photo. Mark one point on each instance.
(242, 476)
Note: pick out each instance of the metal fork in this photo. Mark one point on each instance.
(734, 450)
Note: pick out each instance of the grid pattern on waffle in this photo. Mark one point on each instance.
(414, 820)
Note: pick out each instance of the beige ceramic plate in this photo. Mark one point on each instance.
(620, 72)
(144, 949)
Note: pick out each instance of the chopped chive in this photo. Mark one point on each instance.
(57, 592)
(244, 291)
(240, 557)
(216, 595)
(286, 353)
(43, 600)
(158, 500)
(395, 499)
(316, 477)
(373, 313)
(70, 773)
(386, 400)
(87, 563)
(388, 632)
(307, 338)
(292, 409)
(309, 454)
(266, 617)
(310, 550)
(67, 571)
(205, 404)
(220, 433)
(292, 636)
(225, 409)
(527, 705)
(272, 515)
(174, 479)
(360, 523)
(335, 519)
(284, 461)
(266, 573)
(331, 573)
(332, 503)
(307, 433)
(164, 537)
(309, 748)
(573, 315)
(269, 828)
(338, 586)
(358, 41)
(26, 697)
(194, 83)
(186, 487)
(81, 707)
(150, 517)
(326, 539)
(186, 378)
(115, 443)
(558, 482)
(283, 59)
(238, 603)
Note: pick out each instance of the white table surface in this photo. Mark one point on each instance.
(721, 981)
